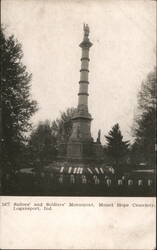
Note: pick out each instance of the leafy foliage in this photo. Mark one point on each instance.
(42, 144)
(16, 104)
(62, 127)
(145, 121)
(116, 148)
(45, 139)
(147, 97)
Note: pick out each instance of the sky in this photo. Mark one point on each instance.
(123, 34)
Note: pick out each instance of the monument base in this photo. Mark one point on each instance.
(77, 151)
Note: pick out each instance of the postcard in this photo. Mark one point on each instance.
(78, 143)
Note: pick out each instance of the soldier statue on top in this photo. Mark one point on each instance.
(86, 29)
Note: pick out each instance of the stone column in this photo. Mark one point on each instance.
(80, 142)
(83, 88)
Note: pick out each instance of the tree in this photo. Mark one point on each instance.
(147, 97)
(45, 140)
(62, 127)
(42, 144)
(16, 104)
(116, 148)
(143, 149)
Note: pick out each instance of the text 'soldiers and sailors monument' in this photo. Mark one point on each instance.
(81, 145)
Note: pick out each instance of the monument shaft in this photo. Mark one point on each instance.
(80, 142)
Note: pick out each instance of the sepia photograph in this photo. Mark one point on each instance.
(78, 125)
(78, 98)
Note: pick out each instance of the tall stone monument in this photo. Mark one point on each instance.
(81, 145)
